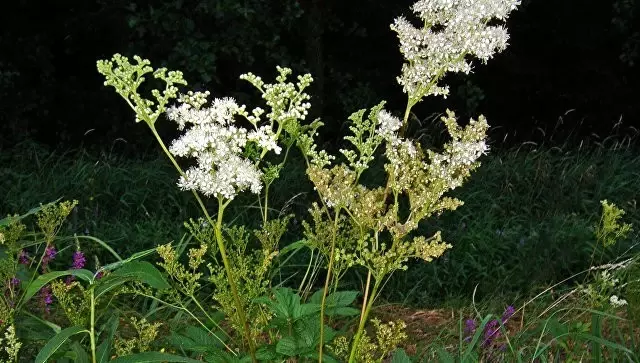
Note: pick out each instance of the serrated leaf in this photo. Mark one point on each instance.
(342, 311)
(287, 346)
(400, 356)
(339, 298)
(150, 357)
(342, 298)
(56, 342)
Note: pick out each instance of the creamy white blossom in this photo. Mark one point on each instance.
(615, 301)
(388, 125)
(217, 145)
(452, 30)
(265, 138)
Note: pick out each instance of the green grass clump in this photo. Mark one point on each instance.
(523, 210)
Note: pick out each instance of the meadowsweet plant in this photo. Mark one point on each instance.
(606, 289)
(353, 225)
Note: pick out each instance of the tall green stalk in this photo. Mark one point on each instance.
(363, 321)
(326, 283)
(92, 330)
(232, 281)
(221, 247)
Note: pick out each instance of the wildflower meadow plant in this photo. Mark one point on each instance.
(352, 225)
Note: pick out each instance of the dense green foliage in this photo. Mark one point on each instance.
(522, 208)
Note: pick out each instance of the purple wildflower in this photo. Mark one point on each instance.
(78, 260)
(508, 313)
(23, 257)
(49, 255)
(47, 298)
(470, 327)
(14, 281)
(491, 331)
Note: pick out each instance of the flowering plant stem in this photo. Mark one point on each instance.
(221, 246)
(367, 305)
(92, 330)
(326, 283)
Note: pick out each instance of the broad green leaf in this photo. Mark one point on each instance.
(144, 272)
(400, 356)
(56, 342)
(342, 311)
(42, 280)
(80, 354)
(150, 357)
(287, 346)
(201, 336)
(342, 298)
(293, 246)
(104, 349)
(226, 357)
(325, 357)
(109, 283)
(339, 298)
(267, 353)
(133, 257)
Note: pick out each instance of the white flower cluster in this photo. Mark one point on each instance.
(217, 145)
(453, 29)
(615, 301)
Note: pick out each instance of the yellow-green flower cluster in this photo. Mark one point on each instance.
(10, 344)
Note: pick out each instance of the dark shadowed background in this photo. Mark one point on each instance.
(569, 71)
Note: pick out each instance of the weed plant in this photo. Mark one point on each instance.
(228, 289)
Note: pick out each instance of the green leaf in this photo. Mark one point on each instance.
(56, 342)
(109, 283)
(339, 298)
(400, 356)
(80, 354)
(287, 346)
(342, 311)
(153, 357)
(42, 280)
(104, 349)
(266, 353)
(135, 256)
(144, 272)
(342, 298)
(293, 246)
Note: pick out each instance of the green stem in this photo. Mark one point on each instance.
(92, 331)
(326, 283)
(306, 274)
(363, 321)
(221, 246)
(266, 204)
(232, 282)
